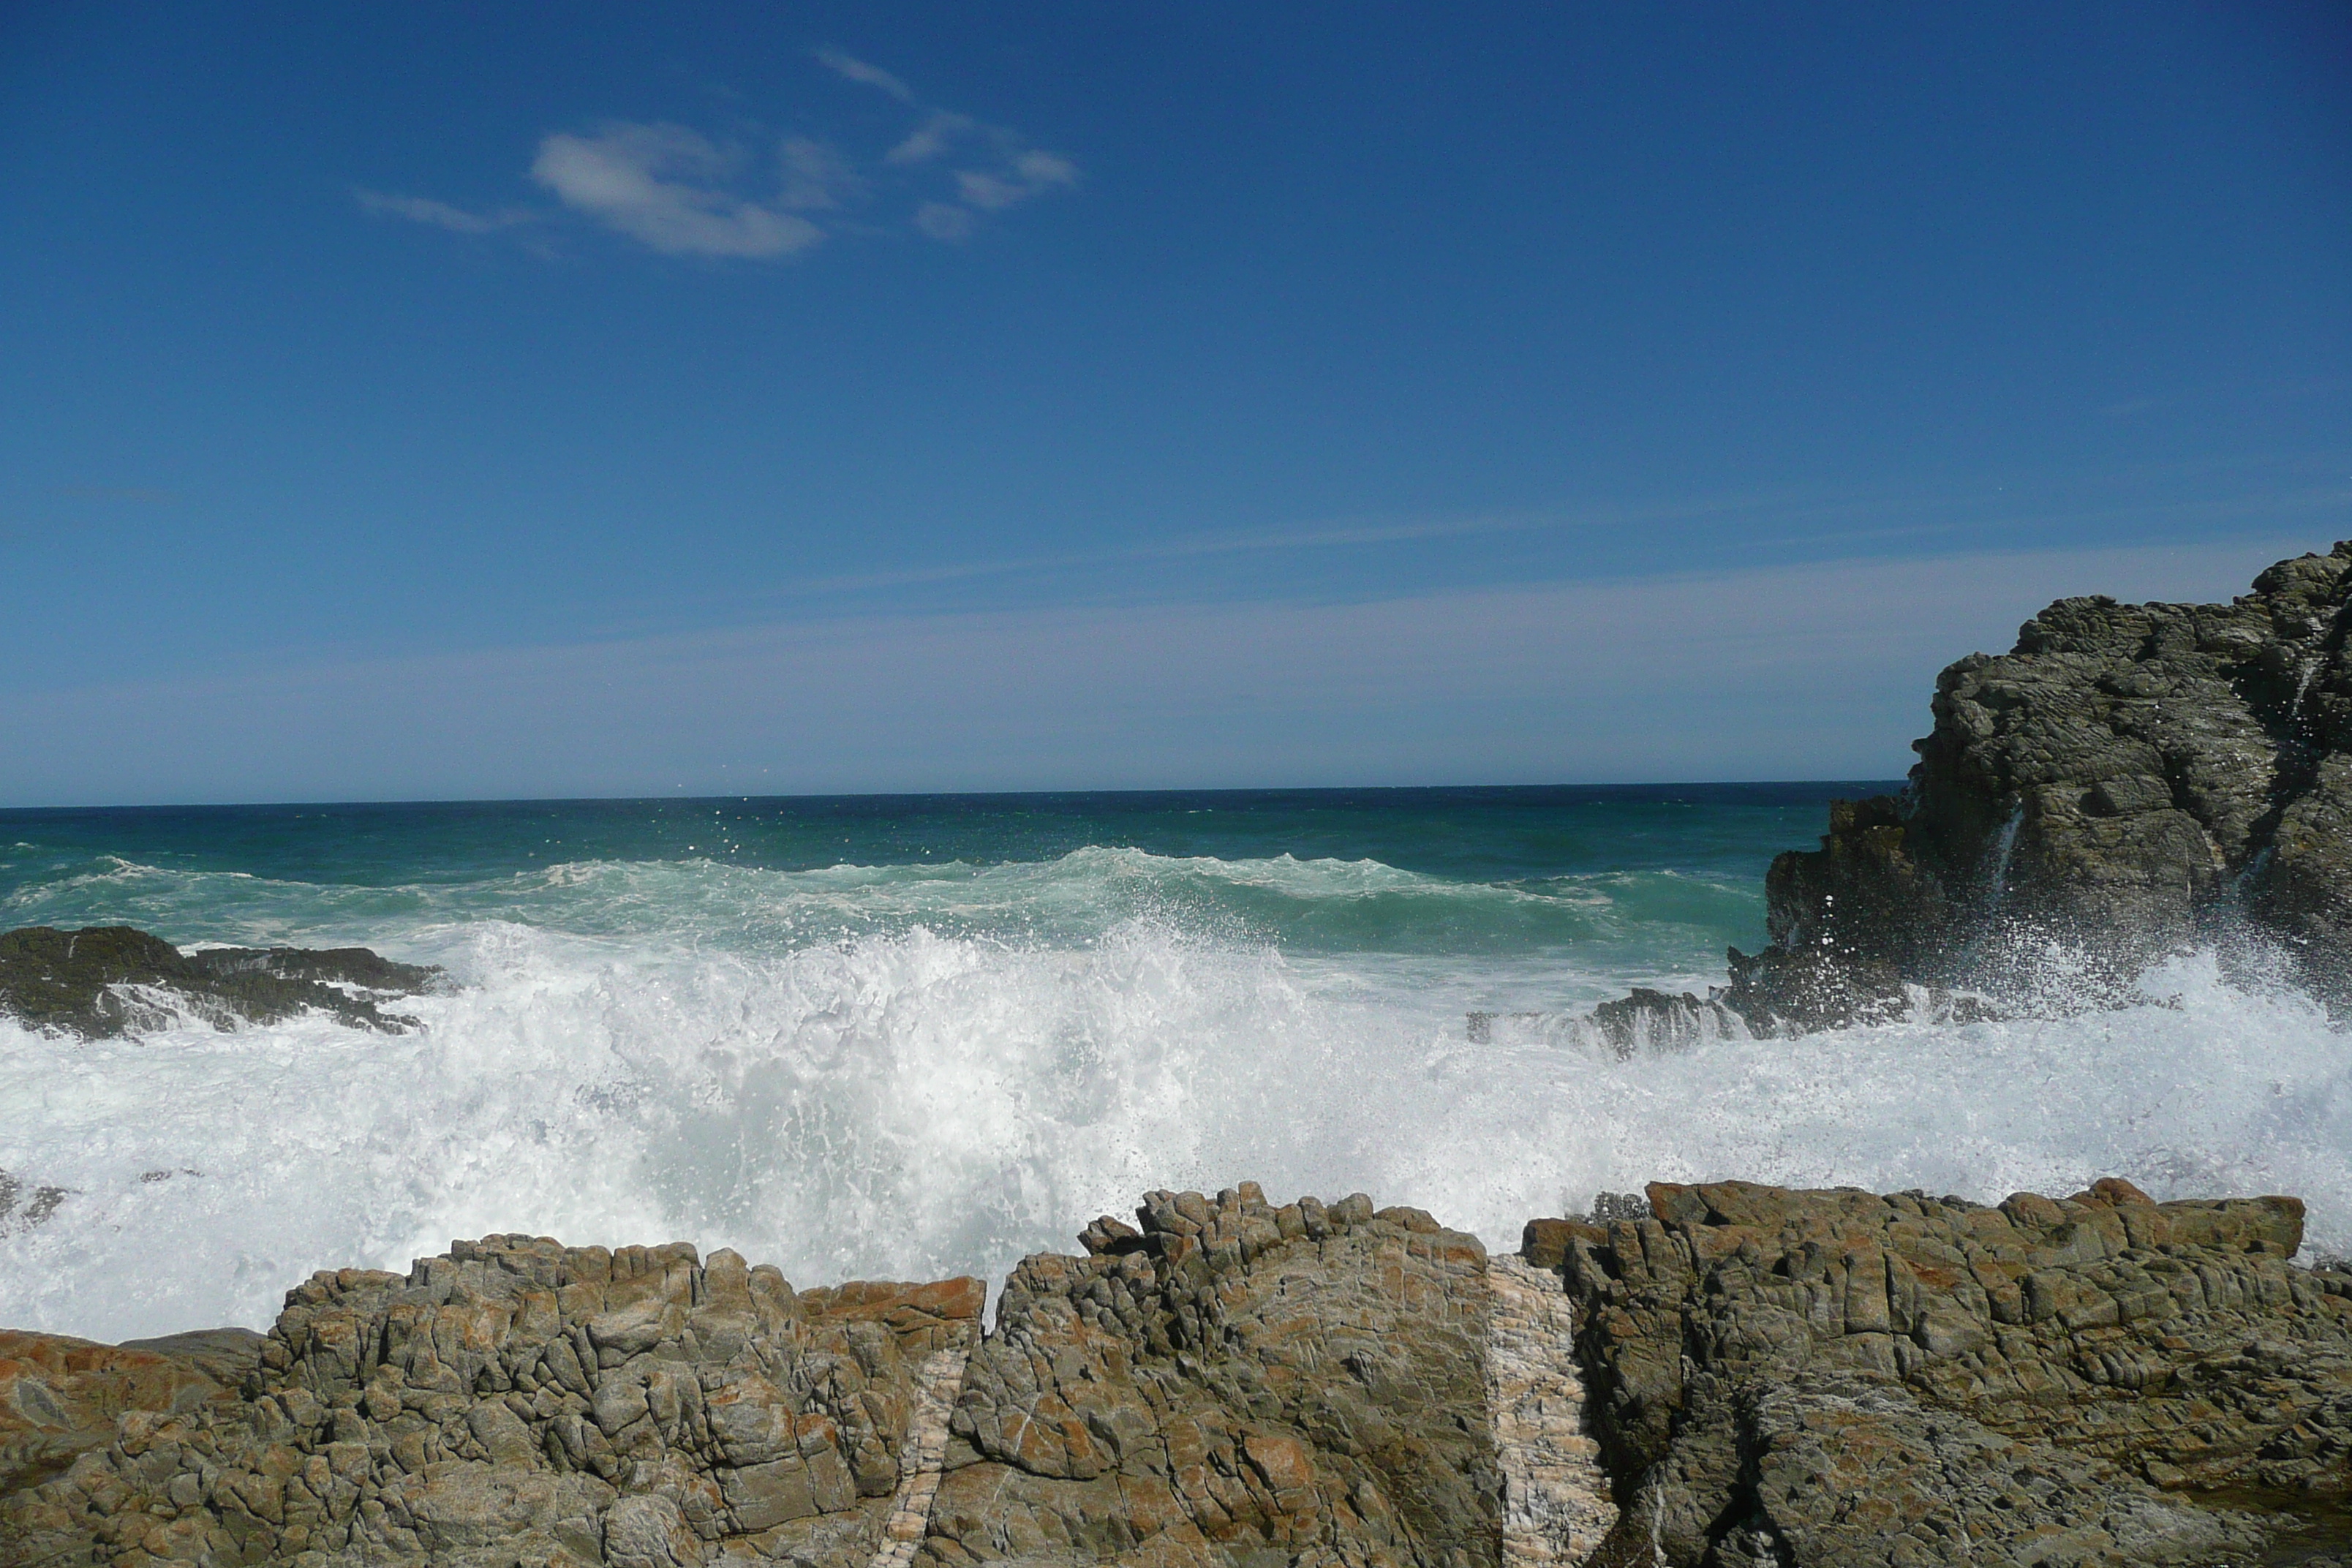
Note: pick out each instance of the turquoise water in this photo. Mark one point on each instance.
(907, 1036)
(1630, 878)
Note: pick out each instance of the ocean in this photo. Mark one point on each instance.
(912, 1037)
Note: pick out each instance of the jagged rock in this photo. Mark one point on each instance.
(1648, 1022)
(521, 1401)
(1834, 1379)
(1809, 1380)
(106, 981)
(2128, 778)
(60, 1396)
(1250, 1384)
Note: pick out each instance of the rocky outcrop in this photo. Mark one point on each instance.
(1232, 1384)
(60, 1398)
(106, 981)
(1839, 1379)
(2128, 778)
(518, 1401)
(1718, 1375)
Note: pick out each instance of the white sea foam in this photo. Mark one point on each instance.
(907, 1103)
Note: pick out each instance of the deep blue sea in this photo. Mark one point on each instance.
(909, 1036)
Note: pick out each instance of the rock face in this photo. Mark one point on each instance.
(1838, 1379)
(1809, 1380)
(104, 981)
(2128, 778)
(518, 1401)
(1234, 1383)
(60, 1398)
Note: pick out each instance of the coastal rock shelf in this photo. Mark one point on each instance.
(1823, 1380)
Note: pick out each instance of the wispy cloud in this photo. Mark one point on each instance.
(857, 70)
(662, 185)
(1705, 676)
(989, 168)
(440, 215)
(681, 193)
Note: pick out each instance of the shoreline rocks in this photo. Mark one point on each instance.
(107, 982)
(2128, 781)
(1712, 1375)
(1844, 1378)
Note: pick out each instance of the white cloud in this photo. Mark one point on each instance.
(945, 220)
(440, 215)
(1030, 174)
(987, 192)
(857, 70)
(1044, 169)
(815, 176)
(931, 137)
(676, 190)
(658, 184)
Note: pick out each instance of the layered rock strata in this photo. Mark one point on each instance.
(1840, 1379)
(109, 981)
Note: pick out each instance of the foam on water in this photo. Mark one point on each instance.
(913, 1071)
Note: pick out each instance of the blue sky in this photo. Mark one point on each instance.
(460, 400)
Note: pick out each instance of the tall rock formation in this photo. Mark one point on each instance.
(2128, 779)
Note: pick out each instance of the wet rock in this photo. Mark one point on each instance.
(109, 981)
(1650, 1022)
(2128, 779)
(1838, 1378)
(26, 1205)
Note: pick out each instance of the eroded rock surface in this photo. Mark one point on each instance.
(1233, 1385)
(520, 1401)
(2123, 780)
(108, 981)
(61, 1396)
(2128, 779)
(1809, 1380)
(1835, 1379)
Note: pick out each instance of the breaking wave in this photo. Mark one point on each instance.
(912, 1070)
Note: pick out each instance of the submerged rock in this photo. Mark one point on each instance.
(109, 981)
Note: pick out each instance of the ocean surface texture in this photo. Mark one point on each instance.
(915, 1037)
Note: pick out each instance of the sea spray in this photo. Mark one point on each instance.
(909, 1103)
